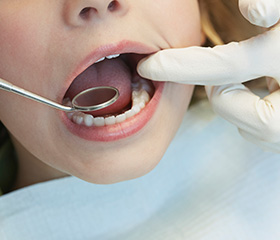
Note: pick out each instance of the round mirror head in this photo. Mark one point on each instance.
(95, 98)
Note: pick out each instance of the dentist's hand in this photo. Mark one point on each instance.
(257, 119)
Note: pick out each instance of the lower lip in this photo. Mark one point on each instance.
(118, 131)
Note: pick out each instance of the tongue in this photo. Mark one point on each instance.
(113, 73)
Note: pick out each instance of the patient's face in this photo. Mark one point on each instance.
(51, 48)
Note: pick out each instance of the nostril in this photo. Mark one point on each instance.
(113, 6)
(86, 12)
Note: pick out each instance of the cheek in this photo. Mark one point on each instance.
(24, 43)
(174, 106)
(179, 101)
(17, 43)
(182, 26)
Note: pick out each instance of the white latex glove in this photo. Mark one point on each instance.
(264, 13)
(257, 119)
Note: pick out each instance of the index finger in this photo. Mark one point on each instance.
(235, 62)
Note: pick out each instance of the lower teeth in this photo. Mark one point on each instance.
(140, 98)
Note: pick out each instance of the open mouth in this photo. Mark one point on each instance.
(133, 109)
(117, 71)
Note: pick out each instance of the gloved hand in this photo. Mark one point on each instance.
(258, 119)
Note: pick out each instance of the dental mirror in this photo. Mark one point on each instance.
(91, 99)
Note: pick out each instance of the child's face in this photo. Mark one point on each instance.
(45, 44)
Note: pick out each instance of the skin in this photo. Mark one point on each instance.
(41, 42)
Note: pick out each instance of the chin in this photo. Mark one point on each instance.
(133, 156)
(119, 171)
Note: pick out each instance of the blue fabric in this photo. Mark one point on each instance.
(211, 184)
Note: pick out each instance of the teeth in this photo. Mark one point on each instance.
(140, 98)
(113, 56)
(120, 118)
(78, 118)
(99, 122)
(100, 60)
(110, 120)
(129, 113)
(136, 109)
(108, 57)
(88, 120)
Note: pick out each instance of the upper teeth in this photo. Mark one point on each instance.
(113, 56)
(108, 57)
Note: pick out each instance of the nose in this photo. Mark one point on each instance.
(79, 12)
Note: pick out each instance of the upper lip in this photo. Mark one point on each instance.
(121, 47)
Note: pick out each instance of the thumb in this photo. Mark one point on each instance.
(251, 114)
(264, 13)
(266, 146)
